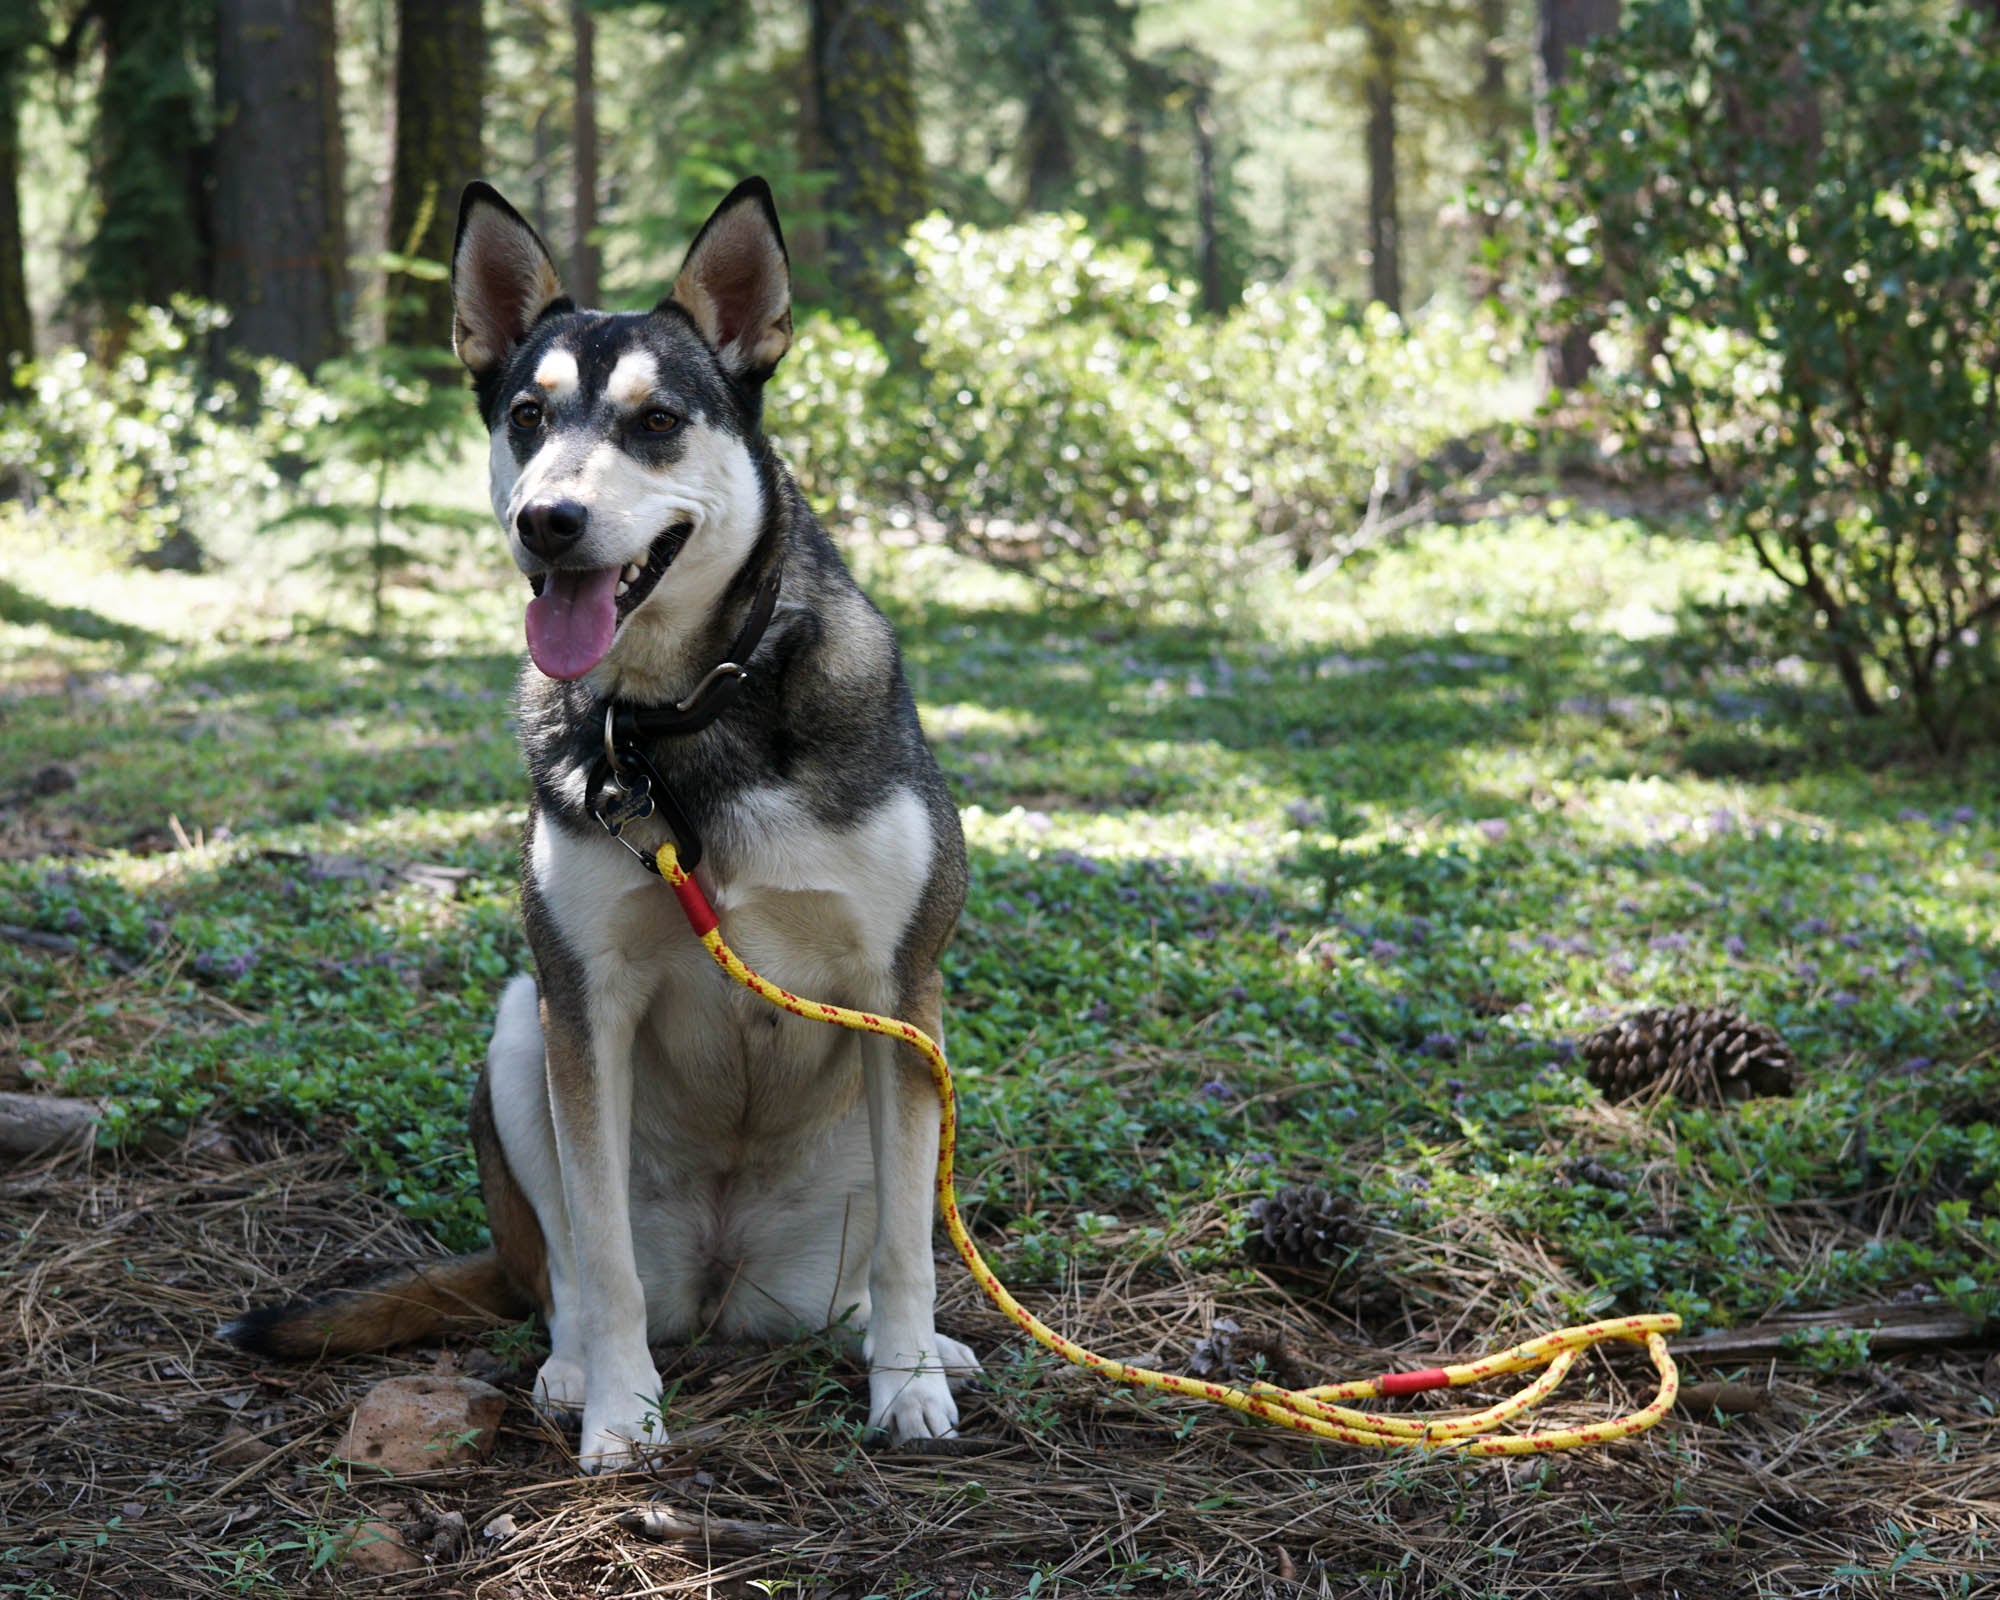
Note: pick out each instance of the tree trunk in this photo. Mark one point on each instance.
(583, 210)
(1561, 28)
(17, 326)
(281, 248)
(151, 240)
(440, 84)
(864, 87)
(1492, 103)
(1207, 244)
(1048, 148)
(1385, 261)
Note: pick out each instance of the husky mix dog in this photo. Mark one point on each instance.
(662, 1154)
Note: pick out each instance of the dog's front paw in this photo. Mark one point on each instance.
(909, 1398)
(623, 1431)
(559, 1390)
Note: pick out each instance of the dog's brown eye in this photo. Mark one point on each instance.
(658, 421)
(526, 416)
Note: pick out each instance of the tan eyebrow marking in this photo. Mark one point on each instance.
(631, 382)
(558, 374)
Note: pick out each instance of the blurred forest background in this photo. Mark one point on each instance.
(1144, 300)
(1256, 276)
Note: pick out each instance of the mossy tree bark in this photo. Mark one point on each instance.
(152, 239)
(17, 326)
(280, 243)
(1382, 66)
(439, 149)
(864, 87)
(583, 263)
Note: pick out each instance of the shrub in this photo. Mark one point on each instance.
(151, 444)
(1792, 205)
(1073, 418)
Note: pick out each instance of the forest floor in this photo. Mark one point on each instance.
(1327, 903)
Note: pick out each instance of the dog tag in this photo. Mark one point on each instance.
(633, 804)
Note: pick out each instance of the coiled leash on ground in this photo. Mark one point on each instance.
(1314, 1411)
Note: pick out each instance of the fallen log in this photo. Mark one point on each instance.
(34, 1124)
(1926, 1325)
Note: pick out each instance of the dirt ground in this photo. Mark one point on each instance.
(143, 1458)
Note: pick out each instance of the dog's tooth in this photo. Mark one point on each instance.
(622, 588)
(631, 573)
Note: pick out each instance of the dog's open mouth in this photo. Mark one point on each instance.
(575, 613)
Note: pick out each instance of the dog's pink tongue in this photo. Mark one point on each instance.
(570, 623)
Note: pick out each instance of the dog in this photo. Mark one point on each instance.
(664, 1156)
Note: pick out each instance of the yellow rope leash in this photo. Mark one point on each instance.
(1313, 1411)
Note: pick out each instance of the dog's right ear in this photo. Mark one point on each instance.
(501, 280)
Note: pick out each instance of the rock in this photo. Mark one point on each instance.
(421, 1424)
(378, 1547)
(501, 1527)
(239, 1447)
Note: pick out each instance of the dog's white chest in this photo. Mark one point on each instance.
(721, 1077)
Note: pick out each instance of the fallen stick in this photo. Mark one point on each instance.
(726, 1534)
(1925, 1326)
(63, 944)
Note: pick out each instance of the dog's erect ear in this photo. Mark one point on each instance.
(501, 279)
(737, 283)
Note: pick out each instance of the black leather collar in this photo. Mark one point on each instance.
(716, 692)
(640, 790)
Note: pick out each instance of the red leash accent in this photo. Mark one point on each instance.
(1413, 1382)
(700, 914)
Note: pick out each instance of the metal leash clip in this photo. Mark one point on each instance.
(626, 789)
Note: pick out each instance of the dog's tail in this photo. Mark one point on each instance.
(419, 1301)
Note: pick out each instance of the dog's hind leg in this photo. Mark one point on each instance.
(522, 1183)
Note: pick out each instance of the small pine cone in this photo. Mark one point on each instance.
(1700, 1056)
(1303, 1227)
(1229, 1355)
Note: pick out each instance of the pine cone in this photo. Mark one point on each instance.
(1229, 1355)
(1303, 1227)
(1699, 1056)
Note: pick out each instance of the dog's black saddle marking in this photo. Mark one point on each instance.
(641, 791)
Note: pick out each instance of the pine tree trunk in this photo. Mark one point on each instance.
(1561, 28)
(1207, 242)
(864, 86)
(281, 248)
(583, 210)
(152, 240)
(1385, 261)
(440, 86)
(17, 326)
(1492, 102)
(1048, 150)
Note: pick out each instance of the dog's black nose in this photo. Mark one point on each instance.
(549, 527)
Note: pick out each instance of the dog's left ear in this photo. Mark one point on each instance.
(737, 283)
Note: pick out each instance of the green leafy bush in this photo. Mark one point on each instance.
(1071, 416)
(1791, 205)
(152, 444)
